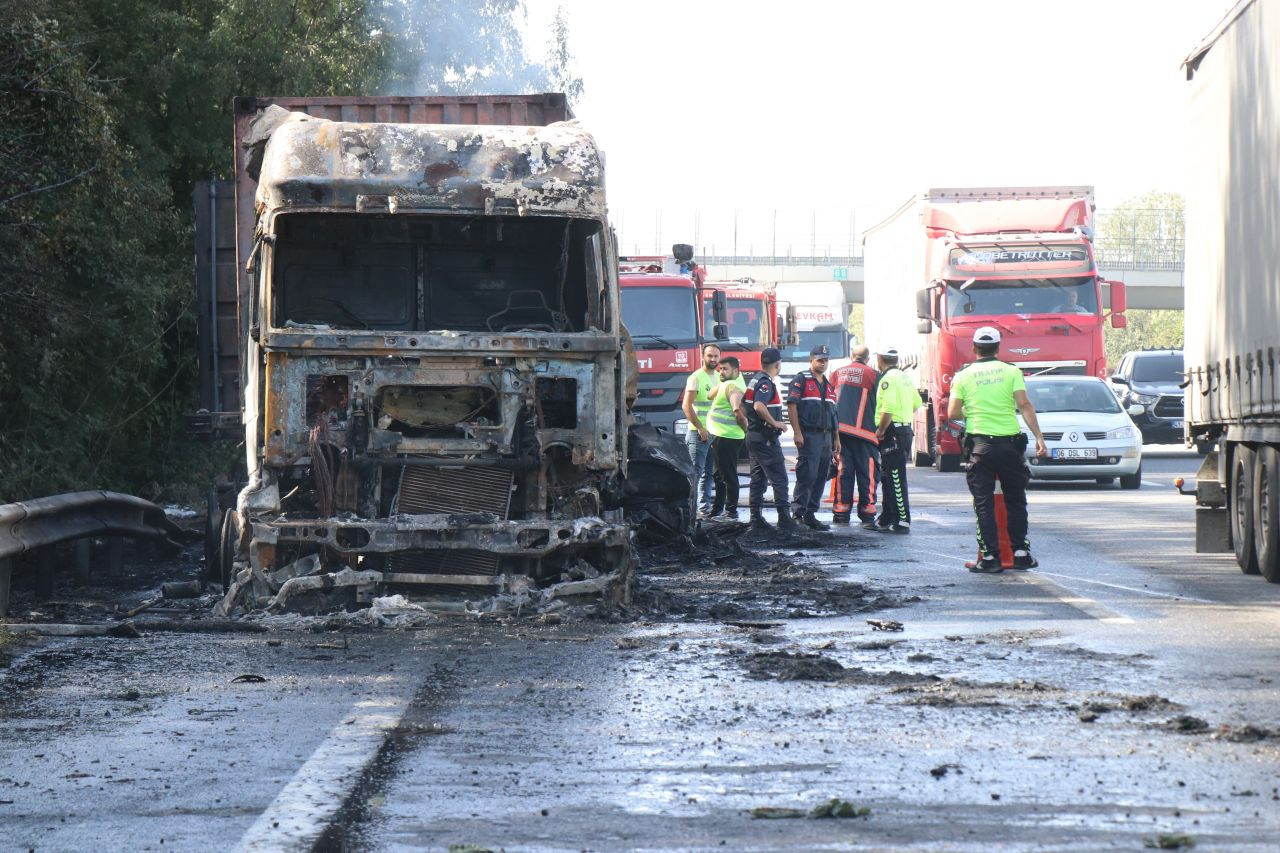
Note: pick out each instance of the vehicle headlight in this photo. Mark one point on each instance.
(1144, 399)
(1121, 432)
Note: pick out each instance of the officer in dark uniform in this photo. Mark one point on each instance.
(811, 405)
(762, 404)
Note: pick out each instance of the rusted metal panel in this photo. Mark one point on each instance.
(215, 268)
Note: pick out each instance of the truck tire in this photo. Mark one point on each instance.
(1266, 512)
(1132, 481)
(1240, 508)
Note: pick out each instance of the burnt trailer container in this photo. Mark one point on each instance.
(1232, 285)
(430, 354)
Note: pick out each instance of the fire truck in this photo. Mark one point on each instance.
(670, 310)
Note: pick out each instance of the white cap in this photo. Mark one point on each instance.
(888, 351)
(986, 335)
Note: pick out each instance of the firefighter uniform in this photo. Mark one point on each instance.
(815, 400)
(859, 447)
(897, 396)
(997, 447)
(768, 466)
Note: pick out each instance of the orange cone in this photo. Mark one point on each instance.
(1004, 547)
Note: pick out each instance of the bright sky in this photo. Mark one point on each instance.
(834, 113)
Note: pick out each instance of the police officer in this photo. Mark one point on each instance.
(728, 426)
(985, 394)
(859, 445)
(763, 406)
(811, 406)
(697, 405)
(896, 402)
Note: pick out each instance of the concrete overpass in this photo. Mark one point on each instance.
(1148, 285)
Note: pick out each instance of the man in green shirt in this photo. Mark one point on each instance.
(697, 407)
(896, 402)
(987, 395)
(728, 426)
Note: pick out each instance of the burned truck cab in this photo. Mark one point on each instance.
(433, 358)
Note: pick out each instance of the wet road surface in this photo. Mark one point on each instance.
(1122, 695)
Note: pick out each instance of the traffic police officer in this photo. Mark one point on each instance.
(811, 406)
(859, 446)
(697, 406)
(985, 394)
(896, 402)
(763, 406)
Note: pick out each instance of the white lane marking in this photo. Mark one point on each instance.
(1155, 485)
(302, 811)
(1087, 606)
(1132, 589)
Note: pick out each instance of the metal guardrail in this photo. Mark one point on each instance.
(1106, 261)
(40, 524)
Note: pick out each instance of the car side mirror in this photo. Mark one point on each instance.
(1118, 321)
(924, 326)
(1135, 409)
(1118, 379)
(720, 331)
(719, 309)
(924, 298)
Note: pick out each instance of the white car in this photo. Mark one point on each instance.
(1089, 435)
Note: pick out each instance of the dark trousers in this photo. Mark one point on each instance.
(725, 451)
(859, 475)
(987, 462)
(768, 468)
(813, 462)
(896, 505)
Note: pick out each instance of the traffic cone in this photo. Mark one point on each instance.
(1004, 547)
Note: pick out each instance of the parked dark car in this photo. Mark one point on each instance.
(1153, 380)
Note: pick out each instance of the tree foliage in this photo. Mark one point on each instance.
(1146, 329)
(109, 110)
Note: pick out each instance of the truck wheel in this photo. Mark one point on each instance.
(1240, 508)
(1266, 504)
(1132, 481)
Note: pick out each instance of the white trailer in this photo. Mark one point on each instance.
(1232, 285)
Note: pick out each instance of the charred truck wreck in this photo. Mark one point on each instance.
(433, 361)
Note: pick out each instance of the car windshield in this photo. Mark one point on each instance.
(664, 313)
(837, 341)
(1050, 396)
(1076, 295)
(1157, 368)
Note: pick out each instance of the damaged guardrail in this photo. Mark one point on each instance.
(39, 524)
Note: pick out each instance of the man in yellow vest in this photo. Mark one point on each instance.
(728, 427)
(988, 394)
(697, 405)
(896, 402)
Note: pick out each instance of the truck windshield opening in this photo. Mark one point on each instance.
(423, 273)
(836, 339)
(660, 317)
(748, 324)
(1074, 295)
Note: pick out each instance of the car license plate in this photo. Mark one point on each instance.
(1075, 453)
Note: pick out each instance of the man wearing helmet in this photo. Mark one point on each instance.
(987, 395)
(896, 402)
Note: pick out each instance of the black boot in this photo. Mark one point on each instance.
(840, 518)
(811, 521)
(786, 522)
(759, 524)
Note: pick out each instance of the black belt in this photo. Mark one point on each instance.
(995, 439)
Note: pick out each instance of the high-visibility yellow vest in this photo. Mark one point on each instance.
(721, 421)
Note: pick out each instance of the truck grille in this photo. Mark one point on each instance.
(453, 490)
(1168, 407)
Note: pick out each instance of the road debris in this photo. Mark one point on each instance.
(832, 808)
(181, 589)
(885, 625)
(1170, 842)
(943, 769)
(1185, 724)
(249, 678)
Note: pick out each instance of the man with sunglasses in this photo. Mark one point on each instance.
(811, 406)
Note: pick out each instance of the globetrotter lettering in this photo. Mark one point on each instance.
(1019, 256)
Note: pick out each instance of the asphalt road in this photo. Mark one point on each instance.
(1122, 695)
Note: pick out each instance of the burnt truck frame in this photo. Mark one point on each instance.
(432, 357)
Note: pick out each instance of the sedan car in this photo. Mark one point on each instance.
(1088, 434)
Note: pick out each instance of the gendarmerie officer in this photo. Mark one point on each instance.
(896, 402)
(811, 406)
(762, 403)
(987, 394)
